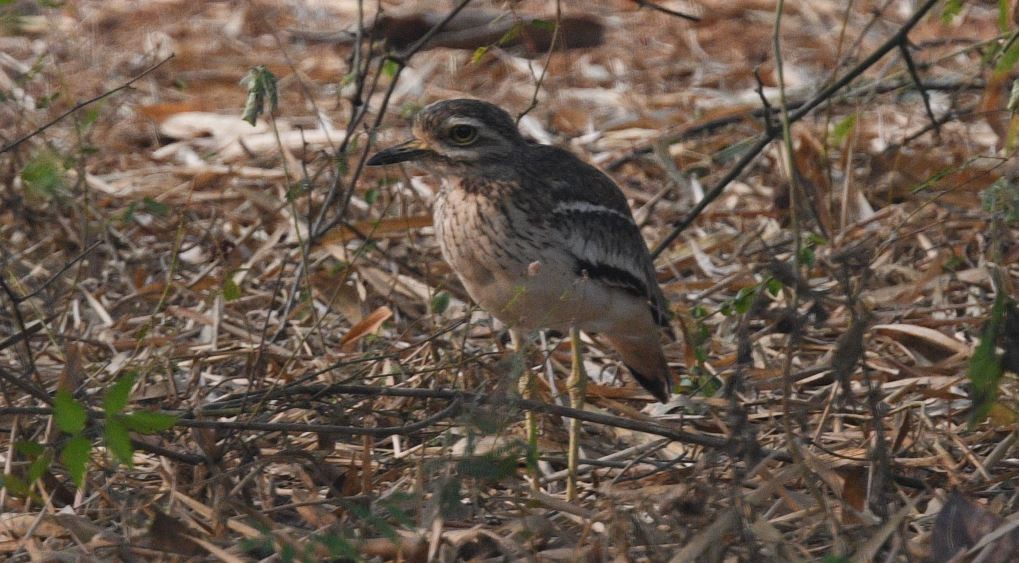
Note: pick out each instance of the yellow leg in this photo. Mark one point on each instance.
(576, 384)
(526, 387)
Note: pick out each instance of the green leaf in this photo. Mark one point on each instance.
(951, 9)
(31, 450)
(1003, 15)
(371, 196)
(116, 398)
(262, 90)
(68, 413)
(231, 291)
(985, 366)
(489, 467)
(118, 441)
(157, 208)
(149, 422)
(774, 286)
(479, 54)
(543, 25)
(390, 68)
(440, 302)
(840, 132)
(75, 456)
(807, 256)
(38, 468)
(89, 117)
(744, 298)
(43, 175)
(1009, 58)
(337, 546)
(16, 485)
(511, 34)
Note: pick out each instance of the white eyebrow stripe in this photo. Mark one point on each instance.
(587, 207)
(459, 120)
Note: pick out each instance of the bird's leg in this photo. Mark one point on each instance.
(526, 387)
(576, 384)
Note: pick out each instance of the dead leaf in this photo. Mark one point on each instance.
(368, 325)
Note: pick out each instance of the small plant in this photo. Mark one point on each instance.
(72, 419)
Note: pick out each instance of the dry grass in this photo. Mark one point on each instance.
(823, 417)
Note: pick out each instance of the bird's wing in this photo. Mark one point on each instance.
(598, 228)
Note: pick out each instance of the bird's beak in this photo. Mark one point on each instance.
(407, 150)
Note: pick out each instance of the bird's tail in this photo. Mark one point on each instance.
(644, 357)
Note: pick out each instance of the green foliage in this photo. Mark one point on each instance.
(71, 418)
(1009, 58)
(116, 398)
(1003, 15)
(479, 54)
(75, 456)
(773, 286)
(493, 466)
(440, 302)
(157, 208)
(841, 130)
(262, 89)
(808, 253)
(231, 291)
(985, 366)
(1002, 200)
(68, 414)
(148, 422)
(371, 195)
(951, 9)
(390, 68)
(43, 175)
(118, 441)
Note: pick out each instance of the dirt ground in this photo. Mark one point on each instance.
(845, 307)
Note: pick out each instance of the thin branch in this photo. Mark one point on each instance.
(51, 279)
(763, 140)
(321, 226)
(87, 102)
(664, 10)
(911, 67)
(548, 60)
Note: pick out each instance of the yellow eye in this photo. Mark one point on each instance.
(463, 134)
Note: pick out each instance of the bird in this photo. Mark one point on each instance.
(539, 238)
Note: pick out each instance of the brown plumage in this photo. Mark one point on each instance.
(539, 238)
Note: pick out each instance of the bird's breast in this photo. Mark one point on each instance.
(503, 253)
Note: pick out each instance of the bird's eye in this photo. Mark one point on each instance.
(463, 134)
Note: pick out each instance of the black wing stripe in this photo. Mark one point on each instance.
(622, 279)
(612, 276)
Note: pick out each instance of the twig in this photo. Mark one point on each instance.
(404, 57)
(319, 391)
(21, 298)
(87, 102)
(382, 432)
(707, 127)
(664, 10)
(911, 68)
(548, 60)
(23, 383)
(800, 113)
(320, 226)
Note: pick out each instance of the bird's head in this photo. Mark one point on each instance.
(457, 133)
